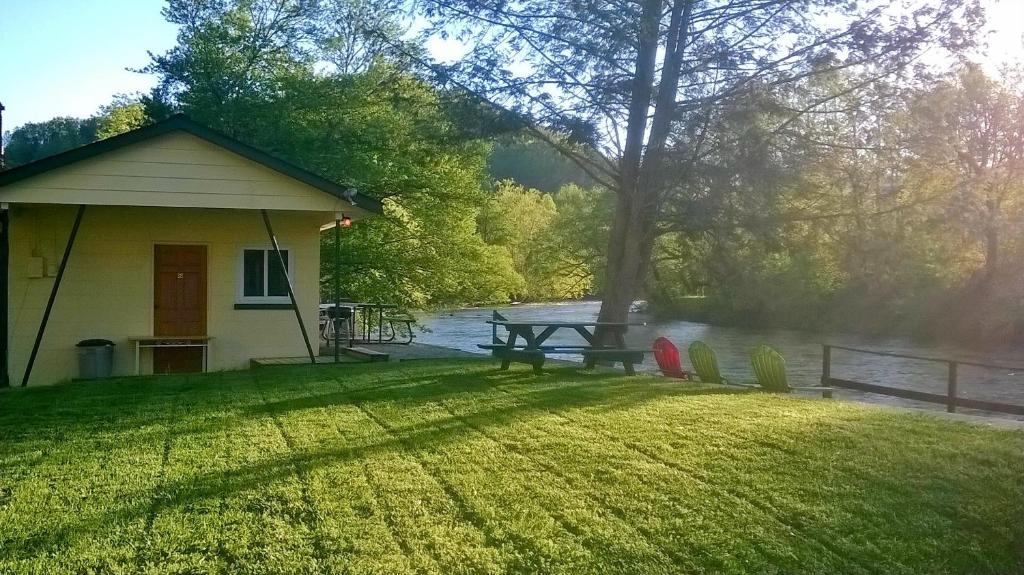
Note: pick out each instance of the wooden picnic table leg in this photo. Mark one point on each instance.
(513, 335)
(620, 342)
(620, 337)
(533, 344)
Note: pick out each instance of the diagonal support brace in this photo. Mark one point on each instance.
(291, 291)
(53, 294)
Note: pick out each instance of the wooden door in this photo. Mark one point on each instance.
(179, 304)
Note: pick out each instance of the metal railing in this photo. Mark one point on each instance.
(951, 399)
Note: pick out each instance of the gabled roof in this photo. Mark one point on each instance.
(181, 122)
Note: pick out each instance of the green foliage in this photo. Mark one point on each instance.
(120, 117)
(381, 131)
(554, 241)
(535, 164)
(901, 212)
(451, 467)
(34, 141)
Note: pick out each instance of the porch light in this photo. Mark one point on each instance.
(346, 221)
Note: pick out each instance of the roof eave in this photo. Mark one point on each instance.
(183, 123)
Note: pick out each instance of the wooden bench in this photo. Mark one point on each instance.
(548, 348)
(534, 357)
(392, 320)
(519, 354)
(157, 341)
(627, 357)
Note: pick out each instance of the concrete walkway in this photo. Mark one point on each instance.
(398, 352)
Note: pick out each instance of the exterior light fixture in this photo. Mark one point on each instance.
(346, 221)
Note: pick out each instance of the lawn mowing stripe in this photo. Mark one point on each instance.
(896, 484)
(767, 512)
(561, 433)
(795, 465)
(604, 420)
(55, 518)
(311, 518)
(568, 483)
(355, 536)
(151, 512)
(513, 537)
(464, 513)
(451, 464)
(933, 496)
(595, 486)
(194, 458)
(212, 513)
(694, 474)
(449, 412)
(394, 473)
(393, 530)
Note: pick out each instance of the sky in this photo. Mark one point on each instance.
(69, 57)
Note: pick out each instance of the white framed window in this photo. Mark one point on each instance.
(260, 277)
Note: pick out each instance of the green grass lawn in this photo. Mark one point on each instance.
(455, 467)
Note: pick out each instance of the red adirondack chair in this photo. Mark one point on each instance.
(667, 355)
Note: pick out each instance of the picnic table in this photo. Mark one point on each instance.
(534, 350)
(366, 311)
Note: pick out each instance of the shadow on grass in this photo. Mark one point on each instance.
(216, 402)
(848, 496)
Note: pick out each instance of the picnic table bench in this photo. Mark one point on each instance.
(533, 350)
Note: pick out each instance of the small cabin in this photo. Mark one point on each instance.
(186, 248)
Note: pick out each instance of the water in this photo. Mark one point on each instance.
(465, 328)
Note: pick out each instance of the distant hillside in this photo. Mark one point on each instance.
(535, 164)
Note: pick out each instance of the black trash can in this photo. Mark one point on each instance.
(95, 358)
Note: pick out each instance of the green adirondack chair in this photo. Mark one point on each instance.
(705, 363)
(770, 372)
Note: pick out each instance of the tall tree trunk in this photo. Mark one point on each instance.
(991, 253)
(992, 209)
(629, 250)
(631, 241)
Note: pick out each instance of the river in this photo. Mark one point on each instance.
(464, 328)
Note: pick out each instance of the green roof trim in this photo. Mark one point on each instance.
(184, 123)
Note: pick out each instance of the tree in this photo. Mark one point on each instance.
(354, 34)
(554, 241)
(251, 69)
(122, 115)
(971, 129)
(37, 140)
(534, 164)
(636, 81)
(34, 141)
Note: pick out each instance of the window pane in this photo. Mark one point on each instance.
(252, 262)
(277, 282)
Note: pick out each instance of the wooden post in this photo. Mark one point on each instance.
(337, 289)
(5, 241)
(951, 390)
(288, 282)
(53, 294)
(826, 369)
